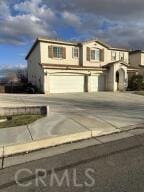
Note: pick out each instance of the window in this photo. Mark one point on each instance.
(95, 54)
(113, 54)
(58, 52)
(122, 56)
(75, 52)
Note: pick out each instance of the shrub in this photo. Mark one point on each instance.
(136, 83)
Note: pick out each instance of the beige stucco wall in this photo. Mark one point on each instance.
(82, 60)
(111, 77)
(141, 71)
(35, 71)
(107, 55)
(142, 59)
(122, 85)
(69, 58)
(137, 59)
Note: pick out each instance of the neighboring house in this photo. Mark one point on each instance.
(58, 66)
(136, 59)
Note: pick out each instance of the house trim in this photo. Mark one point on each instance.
(57, 66)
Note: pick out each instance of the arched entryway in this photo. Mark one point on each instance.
(120, 79)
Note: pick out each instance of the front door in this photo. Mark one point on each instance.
(120, 80)
(117, 80)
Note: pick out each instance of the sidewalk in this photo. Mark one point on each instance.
(57, 129)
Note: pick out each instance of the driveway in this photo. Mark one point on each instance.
(95, 113)
(118, 109)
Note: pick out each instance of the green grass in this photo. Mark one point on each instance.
(20, 120)
(2, 117)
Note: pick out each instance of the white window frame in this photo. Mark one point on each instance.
(58, 54)
(95, 59)
(75, 54)
(113, 55)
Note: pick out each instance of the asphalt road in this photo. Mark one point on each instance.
(116, 166)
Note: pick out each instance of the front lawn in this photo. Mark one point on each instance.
(19, 120)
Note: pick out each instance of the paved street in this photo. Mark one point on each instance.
(116, 166)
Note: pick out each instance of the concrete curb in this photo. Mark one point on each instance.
(50, 142)
(13, 150)
(22, 153)
(98, 133)
(44, 143)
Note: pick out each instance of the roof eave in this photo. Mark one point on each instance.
(32, 48)
(98, 41)
(39, 39)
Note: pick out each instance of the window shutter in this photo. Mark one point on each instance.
(88, 54)
(73, 52)
(102, 55)
(64, 53)
(50, 51)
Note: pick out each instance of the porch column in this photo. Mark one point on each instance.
(46, 85)
(111, 79)
(89, 84)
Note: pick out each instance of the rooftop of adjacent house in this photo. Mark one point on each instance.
(136, 51)
(73, 43)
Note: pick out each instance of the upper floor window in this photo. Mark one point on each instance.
(75, 52)
(113, 55)
(121, 56)
(57, 52)
(95, 54)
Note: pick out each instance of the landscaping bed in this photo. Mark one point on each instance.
(139, 93)
(19, 120)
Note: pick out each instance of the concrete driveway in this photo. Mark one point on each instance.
(118, 108)
(99, 112)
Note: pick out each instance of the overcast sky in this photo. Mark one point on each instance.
(117, 22)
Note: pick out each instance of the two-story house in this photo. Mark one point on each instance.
(136, 59)
(56, 66)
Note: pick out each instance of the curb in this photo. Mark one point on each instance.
(6, 151)
(15, 154)
(18, 149)
(44, 143)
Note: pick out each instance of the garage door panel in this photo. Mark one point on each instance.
(94, 83)
(66, 84)
(101, 83)
(97, 83)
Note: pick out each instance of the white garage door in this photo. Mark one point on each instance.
(66, 84)
(97, 83)
(94, 83)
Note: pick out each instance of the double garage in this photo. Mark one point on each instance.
(71, 83)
